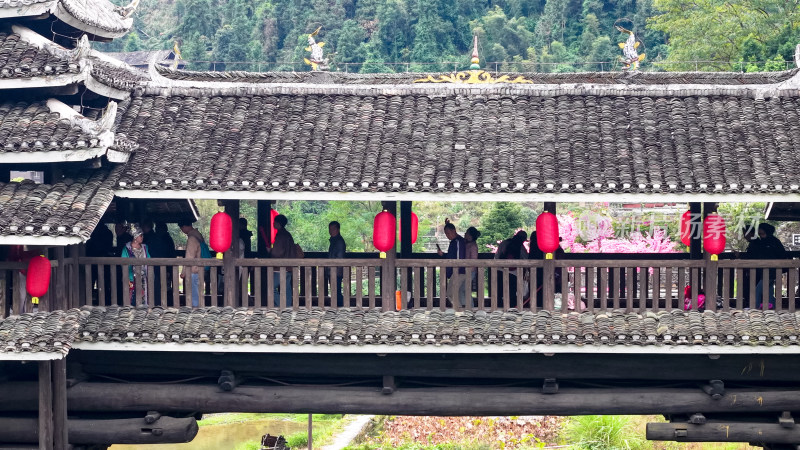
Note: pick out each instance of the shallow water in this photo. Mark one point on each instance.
(227, 436)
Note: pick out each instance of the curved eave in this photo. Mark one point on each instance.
(560, 348)
(52, 156)
(66, 17)
(37, 9)
(48, 241)
(31, 356)
(83, 77)
(633, 197)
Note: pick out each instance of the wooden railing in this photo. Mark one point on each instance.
(634, 285)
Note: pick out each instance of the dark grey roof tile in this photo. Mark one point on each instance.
(71, 207)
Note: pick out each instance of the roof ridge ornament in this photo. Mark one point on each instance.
(474, 75)
(317, 61)
(630, 56)
(127, 11)
(82, 48)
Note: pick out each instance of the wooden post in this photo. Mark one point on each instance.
(58, 299)
(389, 267)
(548, 285)
(405, 230)
(59, 381)
(263, 213)
(74, 284)
(45, 406)
(696, 227)
(310, 431)
(231, 291)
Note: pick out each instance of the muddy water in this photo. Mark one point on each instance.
(227, 436)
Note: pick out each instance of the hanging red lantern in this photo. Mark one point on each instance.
(272, 215)
(384, 229)
(220, 234)
(38, 279)
(414, 227)
(686, 228)
(547, 233)
(714, 235)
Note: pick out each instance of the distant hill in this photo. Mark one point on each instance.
(436, 35)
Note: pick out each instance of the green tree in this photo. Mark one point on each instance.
(501, 221)
(132, 42)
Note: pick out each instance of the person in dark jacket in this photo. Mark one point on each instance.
(456, 250)
(511, 249)
(284, 247)
(336, 250)
(769, 247)
(246, 236)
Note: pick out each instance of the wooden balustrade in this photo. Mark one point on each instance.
(635, 285)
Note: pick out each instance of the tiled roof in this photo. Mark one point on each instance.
(40, 333)
(20, 59)
(28, 59)
(123, 76)
(617, 77)
(98, 17)
(465, 139)
(69, 208)
(415, 328)
(33, 127)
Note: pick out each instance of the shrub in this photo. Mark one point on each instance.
(603, 433)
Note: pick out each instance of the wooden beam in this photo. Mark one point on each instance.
(772, 433)
(456, 400)
(601, 366)
(165, 430)
(45, 420)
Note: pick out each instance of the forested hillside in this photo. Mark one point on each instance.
(436, 35)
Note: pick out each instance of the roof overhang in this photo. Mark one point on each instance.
(15, 239)
(711, 350)
(31, 356)
(52, 156)
(784, 211)
(743, 197)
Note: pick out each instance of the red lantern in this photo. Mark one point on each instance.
(547, 233)
(686, 228)
(414, 227)
(38, 280)
(384, 229)
(219, 237)
(714, 235)
(273, 214)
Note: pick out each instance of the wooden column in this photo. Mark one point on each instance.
(263, 213)
(231, 292)
(405, 230)
(73, 284)
(58, 299)
(549, 273)
(59, 382)
(696, 227)
(710, 273)
(388, 271)
(45, 406)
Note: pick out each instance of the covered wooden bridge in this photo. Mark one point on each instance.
(107, 136)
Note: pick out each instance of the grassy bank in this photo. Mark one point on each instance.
(521, 433)
(325, 426)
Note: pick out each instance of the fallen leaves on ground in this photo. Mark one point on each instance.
(500, 432)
